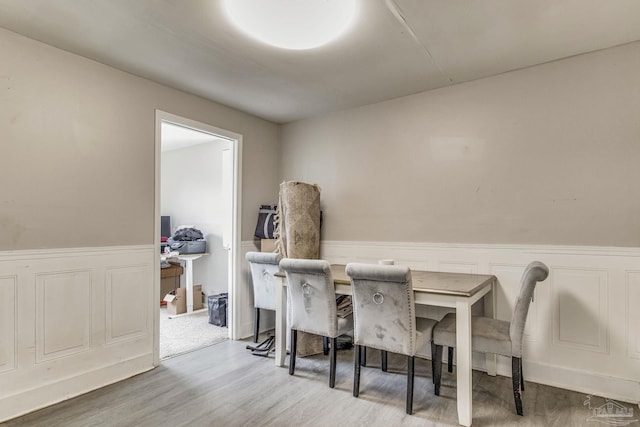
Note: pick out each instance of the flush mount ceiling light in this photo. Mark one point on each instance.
(292, 24)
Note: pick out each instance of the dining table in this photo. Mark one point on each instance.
(458, 291)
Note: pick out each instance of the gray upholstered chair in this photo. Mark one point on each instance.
(311, 306)
(263, 266)
(493, 335)
(384, 318)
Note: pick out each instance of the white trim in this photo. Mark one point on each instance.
(234, 265)
(66, 252)
(58, 391)
(156, 233)
(236, 234)
(481, 247)
(587, 382)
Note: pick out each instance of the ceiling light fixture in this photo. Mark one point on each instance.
(292, 24)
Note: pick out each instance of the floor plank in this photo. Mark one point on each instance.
(224, 385)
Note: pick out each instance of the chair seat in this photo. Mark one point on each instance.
(345, 325)
(424, 332)
(488, 335)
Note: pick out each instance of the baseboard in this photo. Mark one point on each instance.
(62, 389)
(589, 383)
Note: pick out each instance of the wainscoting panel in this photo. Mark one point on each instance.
(72, 320)
(63, 314)
(633, 314)
(8, 302)
(581, 309)
(126, 304)
(582, 329)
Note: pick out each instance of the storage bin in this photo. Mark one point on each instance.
(218, 309)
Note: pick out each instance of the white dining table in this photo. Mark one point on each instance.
(453, 290)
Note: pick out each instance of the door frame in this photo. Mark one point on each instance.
(236, 217)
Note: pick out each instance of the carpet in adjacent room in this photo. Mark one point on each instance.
(187, 333)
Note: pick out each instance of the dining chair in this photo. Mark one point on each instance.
(490, 335)
(263, 266)
(311, 306)
(384, 318)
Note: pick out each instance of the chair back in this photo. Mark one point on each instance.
(311, 296)
(263, 266)
(383, 307)
(534, 273)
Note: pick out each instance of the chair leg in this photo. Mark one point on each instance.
(256, 324)
(410, 376)
(363, 356)
(292, 356)
(436, 356)
(515, 376)
(325, 345)
(383, 358)
(433, 362)
(450, 359)
(332, 363)
(521, 376)
(356, 370)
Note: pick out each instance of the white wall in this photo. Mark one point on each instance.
(192, 194)
(543, 155)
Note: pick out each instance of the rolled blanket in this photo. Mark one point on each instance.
(298, 236)
(298, 220)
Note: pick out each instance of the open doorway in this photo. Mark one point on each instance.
(197, 186)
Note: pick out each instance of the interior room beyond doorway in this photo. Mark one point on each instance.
(193, 195)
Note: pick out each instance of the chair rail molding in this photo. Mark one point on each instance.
(581, 332)
(73, 320)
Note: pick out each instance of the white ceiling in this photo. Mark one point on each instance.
(396, 48)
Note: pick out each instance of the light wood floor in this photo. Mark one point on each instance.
(224, 385)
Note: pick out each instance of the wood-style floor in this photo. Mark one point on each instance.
(224, 385)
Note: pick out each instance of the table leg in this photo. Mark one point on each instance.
(281, 322)
(490, 359)
(463, 359)
(189, 284)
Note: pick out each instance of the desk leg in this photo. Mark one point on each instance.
(189, 284)
(281, 322)
(463, 368)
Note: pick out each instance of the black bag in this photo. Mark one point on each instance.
(266, 227)
(218, 309)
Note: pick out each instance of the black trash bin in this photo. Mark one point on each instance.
(218, 309)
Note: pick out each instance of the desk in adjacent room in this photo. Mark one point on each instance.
(188, 270)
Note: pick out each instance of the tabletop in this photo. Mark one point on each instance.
(436, 282)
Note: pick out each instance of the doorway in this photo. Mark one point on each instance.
(222, 202)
